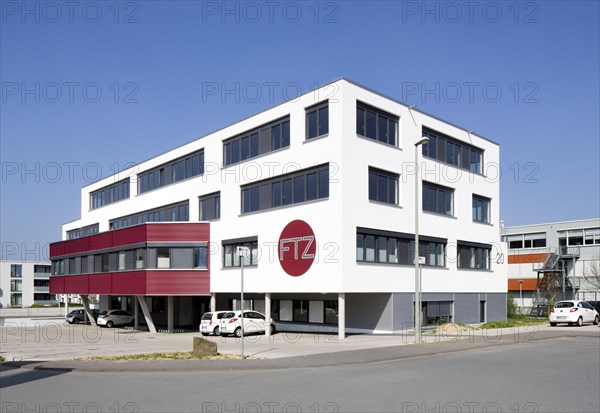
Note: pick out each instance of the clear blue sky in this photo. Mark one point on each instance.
(524, 74)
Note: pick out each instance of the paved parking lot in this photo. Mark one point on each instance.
(54, 339)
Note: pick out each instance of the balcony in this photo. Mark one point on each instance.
(41, 275)
(568, 252)
(44, 289)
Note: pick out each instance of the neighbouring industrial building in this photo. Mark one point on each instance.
(553, 261)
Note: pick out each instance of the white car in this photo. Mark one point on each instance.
(115, 318)
(573, 312)
(254, 322)
(210, 323)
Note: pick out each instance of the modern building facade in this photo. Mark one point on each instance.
(319, 193)
(562, 255)
(25, 283)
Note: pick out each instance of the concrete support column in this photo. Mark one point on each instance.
(213, 302)
(341, 316)
(87, 312)
(170, 312)
(268, 313)
(123, 303)
(142, 300)
(136, 314)
(66, 304)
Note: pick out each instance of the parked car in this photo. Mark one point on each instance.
(115, 318)
(595, 304)
(573, 312)
(211, 323)
(254, 322)
(77, 316)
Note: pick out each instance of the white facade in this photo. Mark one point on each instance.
(334, 219)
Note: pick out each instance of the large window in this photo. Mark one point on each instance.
(210, 207)
(265, 139)
(108, 195)
(317, 120)
(16, 270)
(231, 257)
(378, 246)
(473, 256)
(437, 198)
(481, 209)
(181, 168)
(383, 186)
(376, 124)
(293, 188)
(531, 240)
(83, 232)
(169, 213)
(300, 311)
(453, 152)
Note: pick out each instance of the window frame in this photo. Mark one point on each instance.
(486, 208)
(425, 199)
(378, 135)
(320, 124)
(378, 174)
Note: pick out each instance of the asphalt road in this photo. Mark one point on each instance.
(552, 375)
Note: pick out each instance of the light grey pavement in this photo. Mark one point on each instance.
(54, 344)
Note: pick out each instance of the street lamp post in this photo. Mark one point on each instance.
(417, 274)
(521, 294)
(242, 252)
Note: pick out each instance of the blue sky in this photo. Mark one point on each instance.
(92, 86)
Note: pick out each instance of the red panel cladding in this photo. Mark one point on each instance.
(178, 282)
(100, 284)
(100, 241)
(57, 285)
(127, 236)
(77, 284)
(129, 283)
(179, 232)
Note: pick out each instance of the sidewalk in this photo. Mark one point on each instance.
(339, 356)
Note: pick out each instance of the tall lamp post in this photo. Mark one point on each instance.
(242, 252)
(417, 277)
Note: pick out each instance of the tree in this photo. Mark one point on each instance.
(591, 272)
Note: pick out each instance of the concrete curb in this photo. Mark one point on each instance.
(349, 357)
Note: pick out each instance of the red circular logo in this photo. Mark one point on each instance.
(297, 248)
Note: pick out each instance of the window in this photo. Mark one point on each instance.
(110, 194)
(83, 232)
(169, 213)
(437, 199)
(139, 258)
(210, 207)
(383, 186)
(331, 312)
(388, 247)
(293, 188)
(230, 256)
(473, 256)
(163, 258)
(201, 257)
(481, 209)
(182, 168)
(317, 120)
(16, 300)
(376, 124)
(250, 144)
(121, 261)
(300, 311)
(16, 286)
(532, 240)
(452, 152)
(42, 269)
(16, 270)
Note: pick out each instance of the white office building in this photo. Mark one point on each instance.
(25, 283)
(321, 190)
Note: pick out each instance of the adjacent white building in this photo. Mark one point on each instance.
(321, 190)
(25, 283)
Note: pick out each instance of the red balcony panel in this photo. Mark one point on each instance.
(128, 236)
(171, 232)
(129, 283)
(57, 285)
(100, 283)
(179, 232)
(77, 284)
(178, 282)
